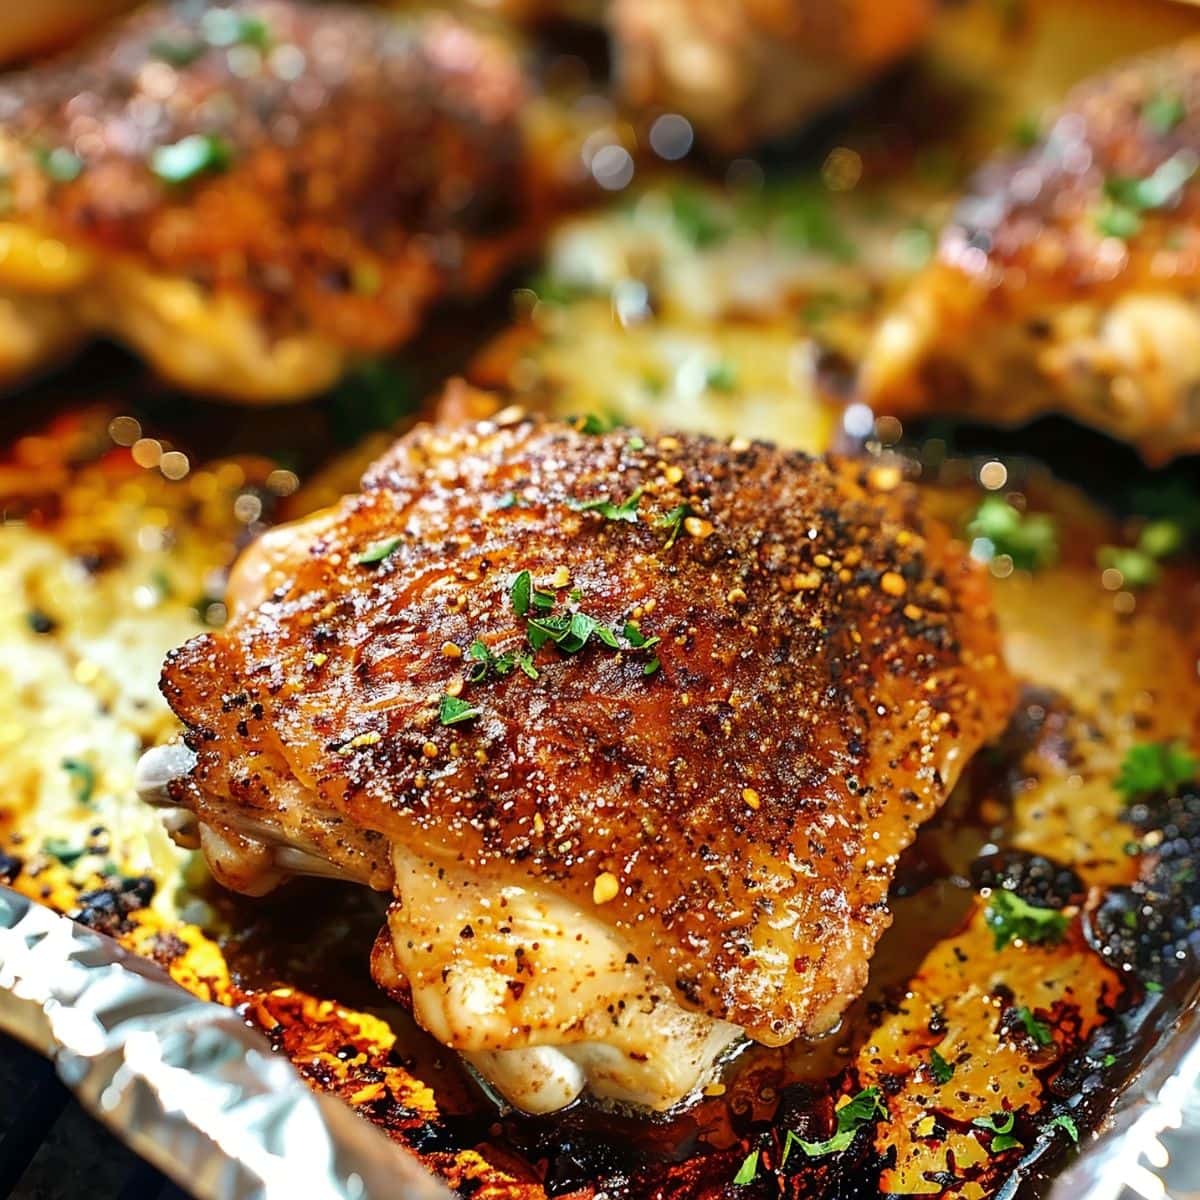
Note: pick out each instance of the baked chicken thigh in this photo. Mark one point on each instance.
(1070, 278)
(745, 70)
(634, 730)
(250, 195)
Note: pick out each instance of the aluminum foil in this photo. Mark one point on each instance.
(186, 1083)
(1150, 1145)
(194, 1090)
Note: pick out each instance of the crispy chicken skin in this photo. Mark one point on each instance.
(345, 168)
(745, 70)
(1068, 280)
(717, 831)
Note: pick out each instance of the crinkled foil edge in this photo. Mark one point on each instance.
(184, 1082)
(198, 1093)
(1149, 1146)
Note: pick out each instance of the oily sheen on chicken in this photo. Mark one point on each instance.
(634, 730)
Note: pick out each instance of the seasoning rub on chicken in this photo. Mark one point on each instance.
(250, 195)
(634, 729)
(1068, 280)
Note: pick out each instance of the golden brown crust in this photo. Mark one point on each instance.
(362, 154)
(828, 662)
(1067, 278)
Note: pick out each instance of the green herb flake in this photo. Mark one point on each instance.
(61, 849)
(1000, 1127)
(1066, 1124)
(672, 522)
(598, 423)
(697, 219)
(520, 592)
(1128, 197)
(1038, 1030)
(939, 1068)
(1153, 768)
(1137, 568)
(626, 510)
(651, 667)
(1163, 112)
(1108, 1060)
(721, 377)
(1027, 132)
(178, 53)
(376, 552)
(195, 155)
(83, 780)
(1118, 221)
(1153, 986)
(636, 443)
(454, 711)
(484, 662)
(860, 1110)
(1029, 539)
(1009, 918)
(223, 27)
(525, 663)
(60, 164)
(748, 1170)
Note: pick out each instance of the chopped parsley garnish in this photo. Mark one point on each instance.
(1128, 197)
(376, 552)
(1029, 539)
(1138, 564)
(1000, 1127)
(454, 711)
(636, 638)
(570, 632)
(747, 1171)
(697, 219)
(524, 595)
(223, 27)
(1027, 132)
(1156, 767)
(1065, 1123)
(939, 1068)
(484, 662)
(1137, 568)
(192, 156)
(1009, 918)
(61, 849)
(1038, 1030)
(860, 1110)
(83, 779)
(805, 217)
(60, 164)
(672, 521)
(1108, 1060)
(626, 510)
(1163, 111)
(721, 377)
(1162, 538)
(1117, 221)
(181, 53)
(597, 422)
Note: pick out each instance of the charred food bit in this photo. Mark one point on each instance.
(634, 729)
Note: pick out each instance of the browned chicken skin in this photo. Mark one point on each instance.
(753, 69)
(1069, 279)
(251, 194)
(727, 803)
